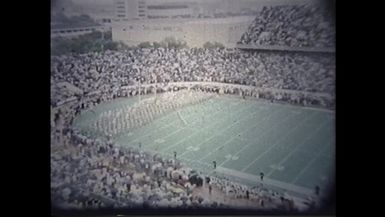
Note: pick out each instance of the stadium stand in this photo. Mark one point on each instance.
(108, 72)
(307, 25)
(83, 152)
(93, 173)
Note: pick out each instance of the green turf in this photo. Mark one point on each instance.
(289, 144)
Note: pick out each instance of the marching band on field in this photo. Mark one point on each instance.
(117, 121)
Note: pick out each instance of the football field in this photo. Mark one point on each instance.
(293, 146)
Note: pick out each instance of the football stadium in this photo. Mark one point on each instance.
(249, 127)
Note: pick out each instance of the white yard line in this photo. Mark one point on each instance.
(160, 128)
(153, 131)
(263, 133)
(212, 115)
(257, 123)
(299, 145)
(176, 131)
(224, 144)
(225, 161)
(181, 118)
(207, 126)
(308, 164)
(197, 162)
(219, 132)
(275, 144)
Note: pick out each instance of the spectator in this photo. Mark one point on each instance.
(93, 165)
(307, 25)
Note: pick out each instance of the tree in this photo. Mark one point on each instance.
(111, 46)
(91, 42)
(209, 45)
(144, 44)
(157, 45)
(171, 42)
(219, 45)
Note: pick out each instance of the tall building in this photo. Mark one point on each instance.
(151, 9)
(129, 9)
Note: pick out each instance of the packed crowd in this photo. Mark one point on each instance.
(95, 170)
(94, 173)
(293, 26)
(106, 73)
